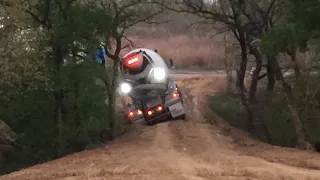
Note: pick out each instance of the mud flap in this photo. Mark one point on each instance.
(177, 110)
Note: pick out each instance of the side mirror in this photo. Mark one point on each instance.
(171, 66)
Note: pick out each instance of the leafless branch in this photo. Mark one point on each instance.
(131, 43)
(201, 22)
(123, 47)
(199, 10)
(45, 20)
(220, 32)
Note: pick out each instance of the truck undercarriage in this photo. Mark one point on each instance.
(154, 107)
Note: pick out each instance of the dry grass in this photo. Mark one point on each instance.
(186, 51)
(189, 47)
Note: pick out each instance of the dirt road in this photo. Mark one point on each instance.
(180, 150)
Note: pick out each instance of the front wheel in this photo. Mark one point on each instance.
(183, 117)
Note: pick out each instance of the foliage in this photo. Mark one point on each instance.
(284, 37)
(300, 31)
(56, 100)
(307, 89)
(33, 46)
(299, 26)
(45, 72)
(275, 116)
(84, 105)
(31, 115)
(273, 113)
(226, 103)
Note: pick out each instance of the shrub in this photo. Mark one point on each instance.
(275, 116)
(30, 113)
(225, 103)
(272, 113)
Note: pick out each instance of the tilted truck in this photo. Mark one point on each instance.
(144, 76)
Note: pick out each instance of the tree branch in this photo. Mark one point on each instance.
(131, 43)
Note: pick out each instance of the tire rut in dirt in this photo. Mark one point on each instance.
(190, 136)
(201, 143)
(169, 155)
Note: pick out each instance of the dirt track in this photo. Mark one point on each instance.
(189, 149)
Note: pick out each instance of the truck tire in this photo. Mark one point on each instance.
(183, 117)
(150, 123)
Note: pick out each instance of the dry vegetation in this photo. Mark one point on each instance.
(188, 46)
(186, 51)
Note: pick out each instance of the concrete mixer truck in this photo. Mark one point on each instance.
(144, 76)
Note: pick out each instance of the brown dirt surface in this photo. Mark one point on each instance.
(183, 149)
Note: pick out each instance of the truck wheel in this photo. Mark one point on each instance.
(150, 123)
(183, 117)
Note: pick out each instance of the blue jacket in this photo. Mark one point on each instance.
(100, 57)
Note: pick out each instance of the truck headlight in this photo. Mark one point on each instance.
(125, 88)
(159, 74)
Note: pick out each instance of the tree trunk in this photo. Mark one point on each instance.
(111, 100)
(227, 63)
(108, 133)
(293, 56)
(112, 97)
(240, 78)
(58, 96)
(255, 76)
(270, 75)
(291, 100)
(243, 63)
(253, 88)
(246, 104)
(113, 84)
(59, 121)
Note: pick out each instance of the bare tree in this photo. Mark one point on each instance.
(125, 15)
(229, 55)
(247, 20)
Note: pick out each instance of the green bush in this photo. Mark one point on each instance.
(307, 89)
(30, 116)
(273, 114)
(229, 107)
(30, 113)
(84, 105)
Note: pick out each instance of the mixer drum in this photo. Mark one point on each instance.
(135, 63)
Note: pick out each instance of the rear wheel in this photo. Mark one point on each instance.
(150, 123)
(183, 117)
